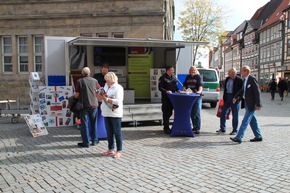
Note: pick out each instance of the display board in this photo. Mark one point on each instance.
(155, 74)
(35, 125)
(53, 105)
(34, 92)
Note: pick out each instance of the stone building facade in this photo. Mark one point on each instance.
(24, 23)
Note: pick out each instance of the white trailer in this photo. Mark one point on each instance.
(65, 55)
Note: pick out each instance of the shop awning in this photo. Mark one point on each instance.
(129, 42)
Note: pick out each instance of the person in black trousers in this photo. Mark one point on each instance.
(273, 88)
(282, 86)
(167, 84)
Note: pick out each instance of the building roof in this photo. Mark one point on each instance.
(277, 15)
(240, 28)
(264, 12)
(255, 24)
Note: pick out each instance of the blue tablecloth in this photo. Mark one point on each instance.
(182, 104)
(102, 133)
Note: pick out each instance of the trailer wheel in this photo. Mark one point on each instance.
(14, 120)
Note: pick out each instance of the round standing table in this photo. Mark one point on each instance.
(182, 104)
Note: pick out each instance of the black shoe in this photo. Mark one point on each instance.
(196, 132)
(234, 139)
(83, 145)
(220, 131)
(256, 139)
(233, 133)
(167, 130)
(94, 143)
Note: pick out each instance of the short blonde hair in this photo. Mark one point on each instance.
(111, 76)
(246, 68)
(86, 71)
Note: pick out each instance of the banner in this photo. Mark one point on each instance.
(53, 105)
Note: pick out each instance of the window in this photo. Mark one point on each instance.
(272, 52)
(113, 56)
(7, 54)
(268, 35)
(23, 54)
(271, 33)
(279, 49)
(102, 35)
(288, 19)
(208, 75)
(38, 50)
(86, 34)
(288, 47)
(118, 35)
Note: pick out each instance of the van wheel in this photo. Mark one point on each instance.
(213, 105)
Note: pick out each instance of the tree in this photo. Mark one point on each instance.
(202, 20)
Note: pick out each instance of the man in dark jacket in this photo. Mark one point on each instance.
(282, 86)
(100, 76)
(167, 84)
(233, 84)
(273, 88)
(251, 101)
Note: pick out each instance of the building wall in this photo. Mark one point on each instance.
(270, 52)
(228, 60)
(287, 43)
(71, 18)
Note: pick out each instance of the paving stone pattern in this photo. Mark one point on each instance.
(152, 161)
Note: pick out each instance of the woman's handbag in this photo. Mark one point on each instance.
(220, 109)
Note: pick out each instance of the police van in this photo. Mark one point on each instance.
(211, 88)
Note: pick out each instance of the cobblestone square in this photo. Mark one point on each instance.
(152, 161)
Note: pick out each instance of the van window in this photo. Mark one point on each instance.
(208, 75)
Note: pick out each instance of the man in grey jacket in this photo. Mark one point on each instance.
(85, 93)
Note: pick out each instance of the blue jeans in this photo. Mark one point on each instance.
(249, 118)
(113, 128)
(89, 125)
(195, 114)
(235, 112)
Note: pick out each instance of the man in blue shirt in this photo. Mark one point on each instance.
(233, 84)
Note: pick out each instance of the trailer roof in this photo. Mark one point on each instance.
(130, 42)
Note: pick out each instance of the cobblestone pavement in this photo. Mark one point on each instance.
(152, 161)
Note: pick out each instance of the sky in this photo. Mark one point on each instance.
(240, 10)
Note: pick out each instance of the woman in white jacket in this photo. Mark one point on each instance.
(112, 111)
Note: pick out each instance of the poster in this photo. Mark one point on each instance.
(53, 105)
(140, 61)
(35, 125)
(155, 74)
